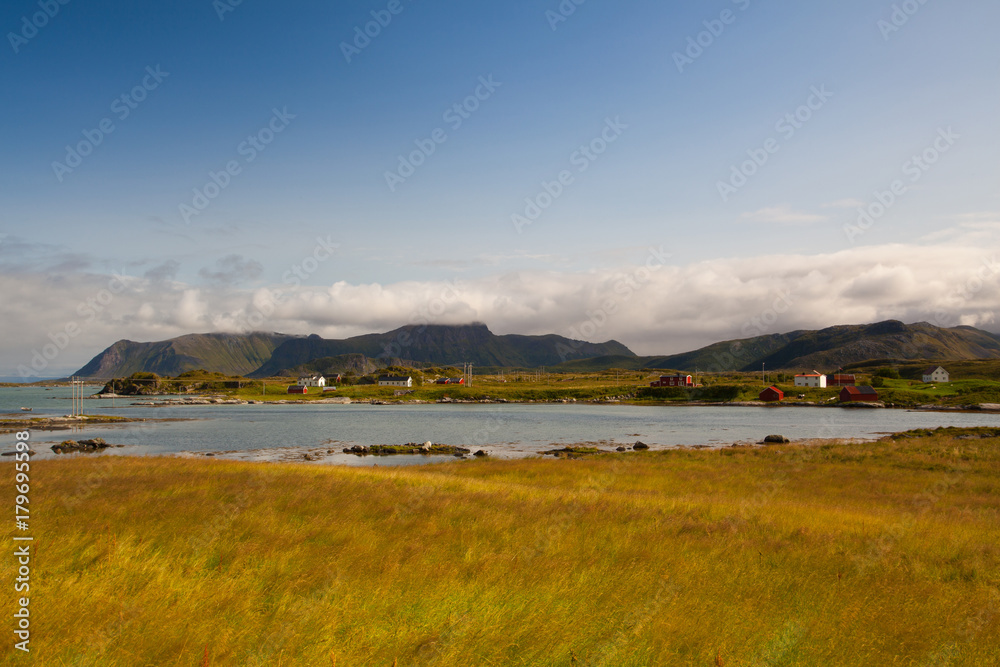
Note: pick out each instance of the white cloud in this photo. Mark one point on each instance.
(661, 310)
(782, 214)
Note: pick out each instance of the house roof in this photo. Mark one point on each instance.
(930, 370)
(863, 389)
(391, 378)
(809, 375)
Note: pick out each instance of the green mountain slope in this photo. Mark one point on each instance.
(825, 349)
(441, 345)
(232, 354)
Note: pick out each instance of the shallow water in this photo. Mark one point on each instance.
(287, 432)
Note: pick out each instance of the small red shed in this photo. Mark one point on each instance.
(298, 389)
(862, 393)
(772, 394)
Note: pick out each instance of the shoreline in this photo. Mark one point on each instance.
(165, 401)
(66, 423)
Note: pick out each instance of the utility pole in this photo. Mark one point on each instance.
(762, 374)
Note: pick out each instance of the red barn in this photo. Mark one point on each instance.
(298, 389)
(676, 380)
(771, 394)
(840, 380)
(862, 393)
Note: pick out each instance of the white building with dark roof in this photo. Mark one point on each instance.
(395, 381)
(935, 374)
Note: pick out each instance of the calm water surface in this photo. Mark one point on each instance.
(286, 432)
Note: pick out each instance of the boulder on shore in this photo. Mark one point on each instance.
(639, 445)
(776, 440)
(93, 445)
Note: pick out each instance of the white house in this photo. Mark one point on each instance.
(312, 381)
(813, 379)
(394, 381)
(936, 374)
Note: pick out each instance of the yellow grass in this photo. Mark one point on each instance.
(883, 553)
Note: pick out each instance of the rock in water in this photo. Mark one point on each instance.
(480, 453)
(427, 446)
(640, 445)
(93, 445)
(776, 440)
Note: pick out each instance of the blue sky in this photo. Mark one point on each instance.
(889, 94)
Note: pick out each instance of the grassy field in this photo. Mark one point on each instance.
(614, 385)
(884, 553)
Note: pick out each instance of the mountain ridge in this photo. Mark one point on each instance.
(260, 354)
(829, 348)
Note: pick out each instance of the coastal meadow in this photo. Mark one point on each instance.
(841, 553)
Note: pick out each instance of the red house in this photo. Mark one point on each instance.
(840, 380)
(771, 394)
(676, 380)
(298, 389)
(862, 393)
